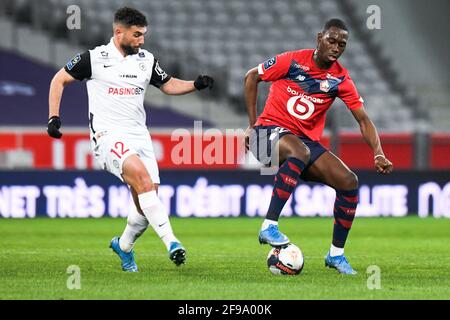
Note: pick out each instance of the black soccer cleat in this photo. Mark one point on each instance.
(177, 253)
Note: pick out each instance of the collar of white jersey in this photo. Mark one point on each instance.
(114, 50)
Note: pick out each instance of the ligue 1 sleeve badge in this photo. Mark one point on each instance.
(269, 63)
(73, 62)
(324, 86)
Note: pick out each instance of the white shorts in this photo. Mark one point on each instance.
(111, 150)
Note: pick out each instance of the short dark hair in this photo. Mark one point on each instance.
(130, 17)
(338, 23)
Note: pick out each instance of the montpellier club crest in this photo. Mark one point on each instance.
(324, 86)
(142, 66)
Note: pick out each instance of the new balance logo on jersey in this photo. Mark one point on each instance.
(125, 91)
(299, 66)
(128, 76)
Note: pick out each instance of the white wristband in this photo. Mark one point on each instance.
(378, 155)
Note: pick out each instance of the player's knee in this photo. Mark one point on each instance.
(303, 154)
(351, 181)
(137, 177)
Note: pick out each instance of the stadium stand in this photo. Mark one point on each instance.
(230, 37)
(29, 96)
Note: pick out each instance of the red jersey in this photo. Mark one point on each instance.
(301, 92)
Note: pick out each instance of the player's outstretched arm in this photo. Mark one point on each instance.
(59, 81)
(370, 134)
(251, 81)
(178, 87)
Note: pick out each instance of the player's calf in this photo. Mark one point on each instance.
(284, 183)
(344, 214)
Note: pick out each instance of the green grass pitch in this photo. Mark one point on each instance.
(225, 260)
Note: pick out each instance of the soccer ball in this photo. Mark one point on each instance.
(286, 260)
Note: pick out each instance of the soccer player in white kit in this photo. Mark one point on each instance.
(117, 77)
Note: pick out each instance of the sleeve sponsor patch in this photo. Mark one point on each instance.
(159, 76)
(73, 62)
(269, 63)
(160, 71)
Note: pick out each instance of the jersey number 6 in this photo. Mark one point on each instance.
(119, 152)
(300, 107)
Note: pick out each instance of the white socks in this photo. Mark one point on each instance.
(268, 222)
(157, 216)
(335, 251)
(136, 225)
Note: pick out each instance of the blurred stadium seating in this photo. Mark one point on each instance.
(32, 97)
(223, 39)
(231, 37)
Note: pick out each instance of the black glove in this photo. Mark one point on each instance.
(203, 82)
(54, 123)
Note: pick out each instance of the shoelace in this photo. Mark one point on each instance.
(343, 262)
(128, 258)
(273, 231)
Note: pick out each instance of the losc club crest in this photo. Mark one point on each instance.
(324, 86)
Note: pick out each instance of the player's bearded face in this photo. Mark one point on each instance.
(331, 44)
(132, 39)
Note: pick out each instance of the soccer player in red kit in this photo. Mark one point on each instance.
(304, 85)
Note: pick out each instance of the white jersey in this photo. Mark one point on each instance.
(116, 87)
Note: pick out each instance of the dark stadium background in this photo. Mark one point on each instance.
(401, 70)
